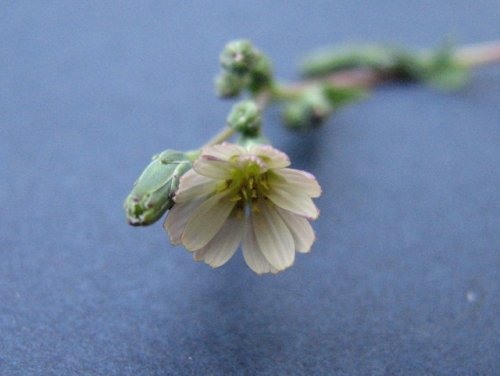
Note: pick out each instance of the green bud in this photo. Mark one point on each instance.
(244, 68)
(153, 192)
(245, 118)
(311, 109)
(261, 75)
(238, 56)
(297, 114)
(228, 84)
(247, 141)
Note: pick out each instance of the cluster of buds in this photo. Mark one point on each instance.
(243, 68)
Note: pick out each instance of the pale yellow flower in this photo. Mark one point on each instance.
(237, 194)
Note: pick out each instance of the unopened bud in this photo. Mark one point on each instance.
(245, 118)
(238, 56)
(261, 75)
(228, 84)
(248, 141)
(310, 109)
(153, 192)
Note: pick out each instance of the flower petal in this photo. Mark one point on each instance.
(206, 221)
(252, 254)
(274, 239)
(193, 186)
(212, 167)
(271, 156)
(298, 203)
(222, 247)
(300, 228)
(177, 218)
(223, 151)
(301, 180)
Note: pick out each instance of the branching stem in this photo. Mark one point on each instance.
(469, 56)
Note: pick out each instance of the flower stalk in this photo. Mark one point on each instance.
(222, 195)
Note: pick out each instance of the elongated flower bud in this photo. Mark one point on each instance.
(153, 192)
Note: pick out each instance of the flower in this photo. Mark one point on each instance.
(237, 194)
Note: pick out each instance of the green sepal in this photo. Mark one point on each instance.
(154, 190)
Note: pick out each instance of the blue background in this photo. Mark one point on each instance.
(404, 276)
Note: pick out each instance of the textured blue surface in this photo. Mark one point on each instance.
(404, 276)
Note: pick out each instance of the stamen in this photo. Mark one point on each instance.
(235, 198)
(221, 186)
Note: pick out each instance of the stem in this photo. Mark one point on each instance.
(356, 78)
(262, 100)
(222, 136)
(469, 56)
(479, 54)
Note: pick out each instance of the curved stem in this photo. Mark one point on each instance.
(355, 78)
(220, 137)
(469, 56)
(479, 54)
(262, 100)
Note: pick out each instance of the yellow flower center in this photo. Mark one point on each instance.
(248, 182)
